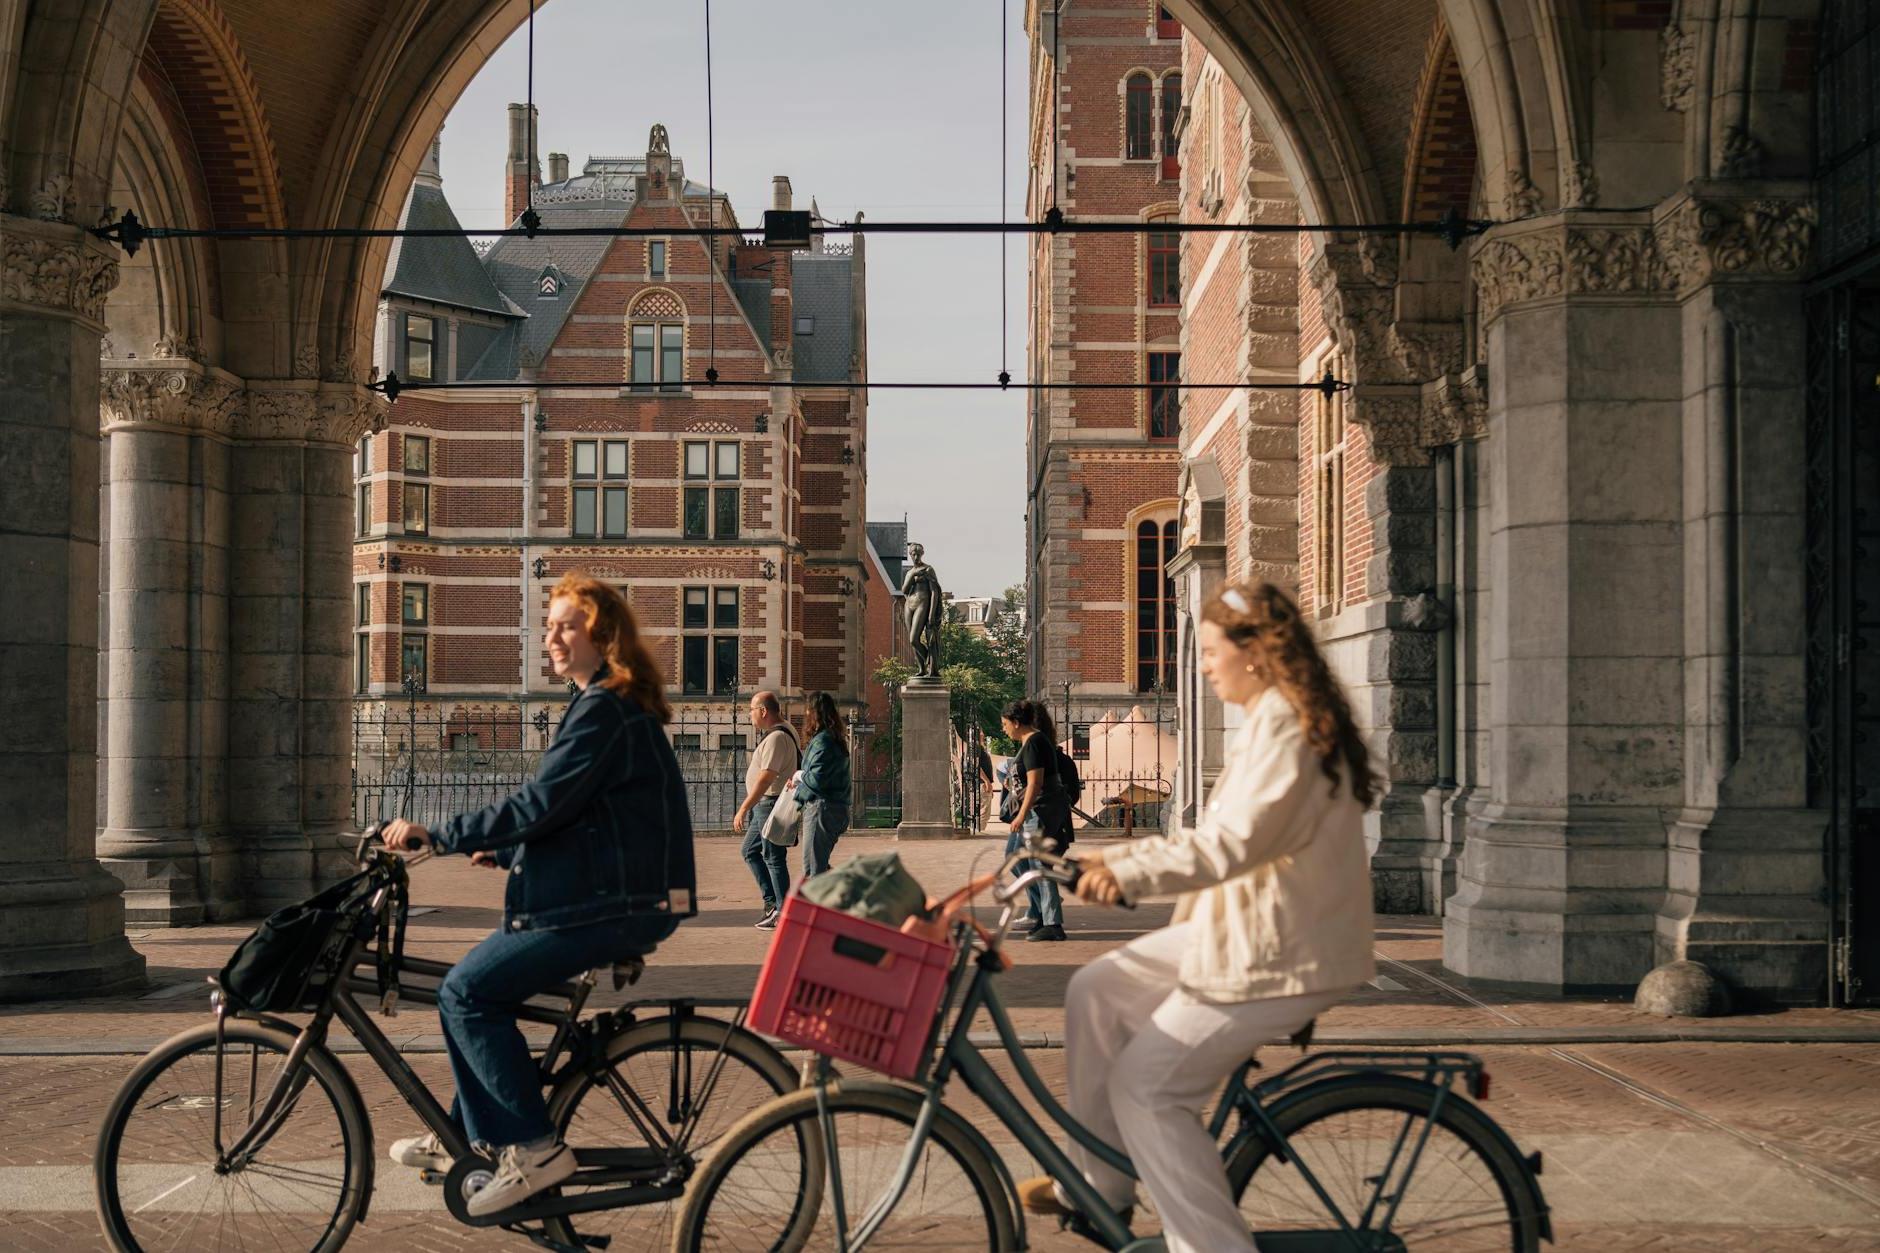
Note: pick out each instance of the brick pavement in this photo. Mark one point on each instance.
(1650, 1146)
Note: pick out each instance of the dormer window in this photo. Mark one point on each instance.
(806, 326)
(548, 287)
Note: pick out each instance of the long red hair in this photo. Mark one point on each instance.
(1264, 618)
(631, 670)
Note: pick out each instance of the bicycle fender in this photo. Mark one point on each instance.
(1407, 1084)
(957, 1122)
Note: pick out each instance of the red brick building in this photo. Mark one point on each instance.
(731, 515)
(1103, 465)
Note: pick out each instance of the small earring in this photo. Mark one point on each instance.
(1250, 669)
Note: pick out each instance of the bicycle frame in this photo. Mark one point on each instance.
(960, 1055)
(652, 1171)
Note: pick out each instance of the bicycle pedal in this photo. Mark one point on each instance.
(433, 1177)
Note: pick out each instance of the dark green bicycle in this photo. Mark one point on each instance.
(1342, 1152)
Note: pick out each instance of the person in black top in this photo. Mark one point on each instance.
(1043, 807)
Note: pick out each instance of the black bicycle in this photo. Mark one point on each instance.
(248, 1132)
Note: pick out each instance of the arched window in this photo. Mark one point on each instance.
(1138, 118)
(1155, 605)
(1171, 112)
(656, 342)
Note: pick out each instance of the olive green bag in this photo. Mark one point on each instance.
(875, 886)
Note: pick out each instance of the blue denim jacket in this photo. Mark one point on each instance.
(602, 832)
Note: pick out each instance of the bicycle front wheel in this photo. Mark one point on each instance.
(1467, 1193)
(302, 1185)
(653, 1094)
(769, 1188)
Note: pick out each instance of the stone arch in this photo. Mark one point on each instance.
(216, 94)
(1158, 520)
(657, 302)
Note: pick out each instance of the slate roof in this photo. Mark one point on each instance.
(442, 268)
(506, 279)
(821, 289)
(890, 543)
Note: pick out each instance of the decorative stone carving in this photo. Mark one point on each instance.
(178, 348)
(1523, 198)
(175, 396)
(1625, 259)
(54, 272)
(1515, 268)
(343, 415)
(1582, 186)
(1426, 349)
(1393, 421)
(1702, 238)
(343, 370)
(273, 414)
(49, 201)
(1742, 154)
(1454, 408)
(1677, 68)
(784, 358)
(306, 362)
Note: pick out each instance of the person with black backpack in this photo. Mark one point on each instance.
(1043, 805)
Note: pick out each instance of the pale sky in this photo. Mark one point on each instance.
(887, 108)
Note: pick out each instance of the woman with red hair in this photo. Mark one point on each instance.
(598, 850)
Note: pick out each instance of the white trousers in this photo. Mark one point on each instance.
(1145, 1059)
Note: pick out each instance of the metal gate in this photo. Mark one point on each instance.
(1843, 557)
(1843, 578)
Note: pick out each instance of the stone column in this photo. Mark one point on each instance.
(1563, 873)
(166, 641)
(926, 763)
(61, 914)
(289, 635)
(1747, 886)
(1198, 569)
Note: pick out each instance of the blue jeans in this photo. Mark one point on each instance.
(499, 1086)
(823, 824)
(1047, 904)
(769, 863)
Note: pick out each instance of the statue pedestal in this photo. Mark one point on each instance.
(926, 802)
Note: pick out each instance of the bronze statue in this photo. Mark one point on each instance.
(924, 608)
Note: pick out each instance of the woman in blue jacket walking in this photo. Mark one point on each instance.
(598, 850)
(823, 789)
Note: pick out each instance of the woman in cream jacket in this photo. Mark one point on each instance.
(1273, 925)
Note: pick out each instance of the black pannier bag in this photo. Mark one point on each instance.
(271, 971)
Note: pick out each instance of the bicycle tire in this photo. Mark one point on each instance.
(798, 1109)
(154, 1186)
(1287, 1203)
(650, 1225)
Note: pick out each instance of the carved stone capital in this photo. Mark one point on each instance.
(1392, 418)
(1566, 255)
(346, 412)
(1707, 233)
(50, 268)
(176, 393)
(1454, 408)
(1357, 291)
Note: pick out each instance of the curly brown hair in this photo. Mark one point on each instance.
(1264, 618)
(631, 670)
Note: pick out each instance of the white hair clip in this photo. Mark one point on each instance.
(1235, 600)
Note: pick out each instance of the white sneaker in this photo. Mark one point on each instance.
(521, 1172)
(425, 1152)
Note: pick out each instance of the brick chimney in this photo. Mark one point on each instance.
(524, 172)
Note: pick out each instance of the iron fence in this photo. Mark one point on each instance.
(414, 760)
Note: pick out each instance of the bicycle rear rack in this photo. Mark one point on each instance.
(1440, 1069)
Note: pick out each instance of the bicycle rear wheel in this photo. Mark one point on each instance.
(303, 1187)
(661, 1087)
(1469, 1193)
(767, 1187)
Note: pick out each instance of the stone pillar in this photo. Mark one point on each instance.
(166, 644)
(289, 634)
(1563, 873)
(61, 914)
(1747, 887)
(926, 763)
(1198, 568)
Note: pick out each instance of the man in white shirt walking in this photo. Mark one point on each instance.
(773, 761)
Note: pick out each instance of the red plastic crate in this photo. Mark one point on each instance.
(850, 989)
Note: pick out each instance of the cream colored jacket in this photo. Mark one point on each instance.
(1275, 875)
